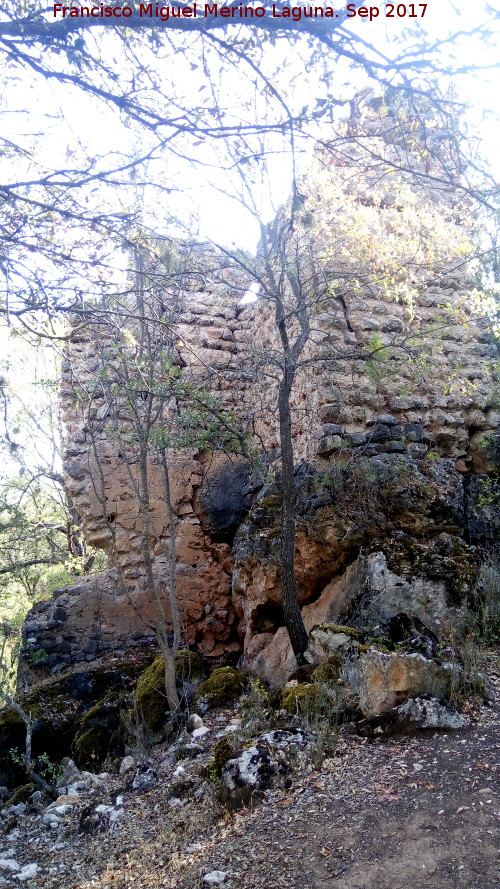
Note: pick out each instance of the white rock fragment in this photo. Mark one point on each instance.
(59, 810)
(127, 764)
(194, 722)
(215, 877)
(9, 864)
(27, 872)
(199, 732)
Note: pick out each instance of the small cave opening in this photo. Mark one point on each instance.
(110, 518)
(268, 618)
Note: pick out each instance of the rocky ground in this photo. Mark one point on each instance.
(388, 813)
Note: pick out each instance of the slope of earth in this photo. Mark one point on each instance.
(419, 812)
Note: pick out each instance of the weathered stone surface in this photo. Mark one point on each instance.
(380, 681)
(225, 497)
(247, 775)
(420, 713)
(327, 640)
(381, 595)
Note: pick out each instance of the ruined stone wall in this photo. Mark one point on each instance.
(432, 389)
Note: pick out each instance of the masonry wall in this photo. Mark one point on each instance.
(431, 385)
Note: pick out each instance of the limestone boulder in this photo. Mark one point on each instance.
(329, 640)
(433, 584)
(416, 714)
(380, 681)
(428, 597)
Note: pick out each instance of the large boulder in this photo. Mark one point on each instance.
(64, 709)
(429, 596)
(417, 714)
(379, 681)
(379, 539)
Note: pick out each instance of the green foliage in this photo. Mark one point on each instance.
(202, 422)
(490, 491)
(376, 364)
(36, 656)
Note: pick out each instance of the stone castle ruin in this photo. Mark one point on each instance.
(396, 420)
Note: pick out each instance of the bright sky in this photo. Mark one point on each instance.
(79, 126)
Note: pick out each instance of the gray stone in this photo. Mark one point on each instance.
(414, 432)
(395, 447)
(330, 429)
(194, 722)
(396, 431)
(357, 438)
(372, 450)
(381, 432)
(428, 712)
(215, 877)
(422, 713)
(76, 470)
(329, 444)
(385, 419)
(144, 778)
(126, 765)
(417, 450)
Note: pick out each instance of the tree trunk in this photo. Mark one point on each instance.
(160, 622)
(289, 591)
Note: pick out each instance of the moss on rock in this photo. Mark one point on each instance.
(102, 733)
(150, 696)
(338, 628)
(446, 558)
(299, 698)
(188, 666)
(91, 748)
(223, 686)
(223, 752)
(328, 673)
(20, 795)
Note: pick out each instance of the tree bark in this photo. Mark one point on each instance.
(289, 591)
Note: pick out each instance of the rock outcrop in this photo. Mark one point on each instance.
(395, 410)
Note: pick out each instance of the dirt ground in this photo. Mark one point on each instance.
(418, 813)
(421, 812)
